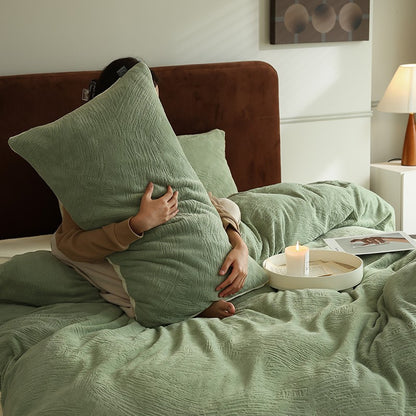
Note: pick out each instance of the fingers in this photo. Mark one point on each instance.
(170, 200)
(227, 282)
(169, 194)
(369, 240)
(172, 214)
(172, 205)
(170, 197)
(149, 190)
(226, 265)
(174, 200)
(233, 283)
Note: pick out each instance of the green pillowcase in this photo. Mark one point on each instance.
(206, 154)
(99, 159)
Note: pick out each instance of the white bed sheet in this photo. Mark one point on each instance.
(13, 246)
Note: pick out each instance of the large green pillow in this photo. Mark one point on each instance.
(206, 154)
(99, 159)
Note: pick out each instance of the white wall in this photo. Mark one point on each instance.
(394, 34)
(325, 89)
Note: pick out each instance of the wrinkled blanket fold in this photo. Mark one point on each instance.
(276, 216)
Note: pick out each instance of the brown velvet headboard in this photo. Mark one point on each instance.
(240, 98)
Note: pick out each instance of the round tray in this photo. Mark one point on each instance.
(350, 276)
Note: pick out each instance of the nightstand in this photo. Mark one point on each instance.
(397, 185)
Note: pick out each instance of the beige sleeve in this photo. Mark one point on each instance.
(229, 212)
(92, 245)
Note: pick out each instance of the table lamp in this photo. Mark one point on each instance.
(400, 97)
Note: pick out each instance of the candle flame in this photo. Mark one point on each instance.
(297, 245)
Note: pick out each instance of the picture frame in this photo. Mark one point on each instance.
(319, 21)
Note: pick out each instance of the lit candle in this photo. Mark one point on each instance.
(297, 260)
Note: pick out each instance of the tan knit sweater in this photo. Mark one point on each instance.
(94, 245)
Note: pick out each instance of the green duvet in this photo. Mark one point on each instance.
(64, 351)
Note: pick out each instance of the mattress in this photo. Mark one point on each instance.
(14, 246)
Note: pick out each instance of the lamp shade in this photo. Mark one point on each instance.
(400, 95)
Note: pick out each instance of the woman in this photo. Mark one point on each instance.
(86, 251)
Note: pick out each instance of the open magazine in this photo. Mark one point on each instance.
(374, 243)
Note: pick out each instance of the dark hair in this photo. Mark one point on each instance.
(111, 73)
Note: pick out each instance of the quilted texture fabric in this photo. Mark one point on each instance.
(300, 352)
(99, 159)
(51, 281)
(206, 154)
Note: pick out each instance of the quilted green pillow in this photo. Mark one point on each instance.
(206, 154)
(99, 159)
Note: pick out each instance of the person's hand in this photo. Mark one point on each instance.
(237, 262)
(154, 212)
(369, 240)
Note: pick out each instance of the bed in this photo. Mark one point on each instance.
(64, 350)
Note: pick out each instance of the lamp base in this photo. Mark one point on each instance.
(409, 147)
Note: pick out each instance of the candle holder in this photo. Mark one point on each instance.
(347, 271)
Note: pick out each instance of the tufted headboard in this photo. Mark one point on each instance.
(240, 98)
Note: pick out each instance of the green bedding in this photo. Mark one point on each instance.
(64, 351)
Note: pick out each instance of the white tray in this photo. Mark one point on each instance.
(276, 264)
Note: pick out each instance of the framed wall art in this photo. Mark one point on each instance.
(307, 21)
